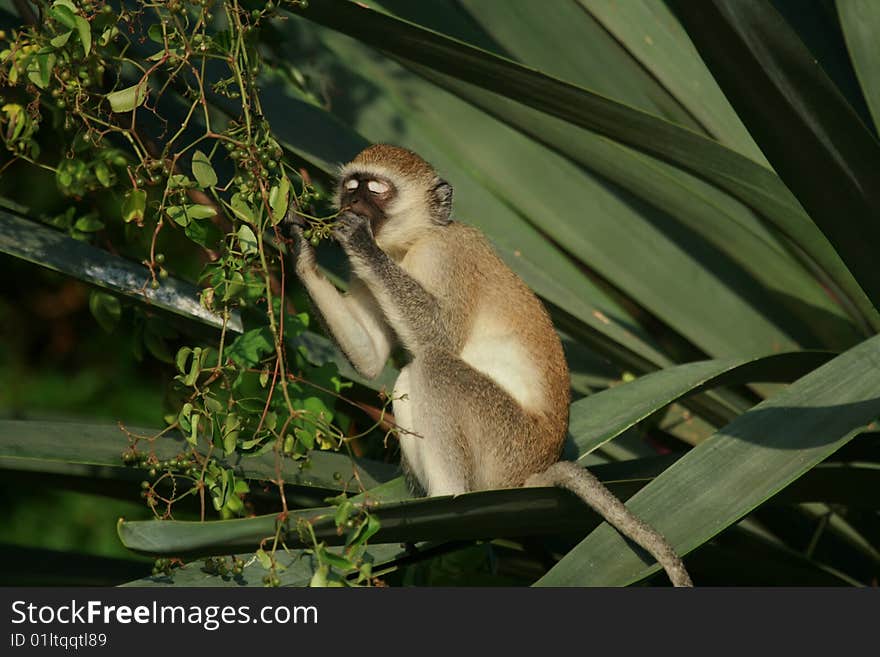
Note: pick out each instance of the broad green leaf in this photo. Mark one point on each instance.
(496, 513)
(790, 105)
(202, 170)
(38, 445)
(742, 466)
(601, 417)
(125, 100)
(569, 44)
(860, 20)
(655, 38)
(469, 516)
(49, 248)
(644, 251)
(748, 181)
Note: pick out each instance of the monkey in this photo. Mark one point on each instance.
(484, 398)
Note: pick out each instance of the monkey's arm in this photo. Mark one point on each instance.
(413, 312)
(353, 320)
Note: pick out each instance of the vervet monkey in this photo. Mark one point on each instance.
(485, 394)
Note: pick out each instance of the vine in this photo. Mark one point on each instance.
(135, 92)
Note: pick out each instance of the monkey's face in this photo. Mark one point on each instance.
(368, 196)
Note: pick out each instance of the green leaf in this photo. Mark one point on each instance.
(744, 464)
(279, 199)
(248, 349)
(133, 205)
(204, 233)
(295, 568)
(106, 309)
(790, 105)
(98, 448)
(64, 13)
(49, 248)
(860, 20)
(102, 173)
(125, 100)
(89, 224)
(203, 171)
(758, 187)
(45, 63)
(60, 40)
(655, 38)
(247, 240)
(242, 209)
(85, 34)
(605, 415)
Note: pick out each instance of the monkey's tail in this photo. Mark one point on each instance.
(584, 484)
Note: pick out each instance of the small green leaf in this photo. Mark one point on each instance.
(242, 208)
(200, 211)
(85, 34)
(181, 359)
(155, 33)
(337, 561)
(125, 100)
(249, 348)
(102, 173)
(204, 233)
(88, 224)
(60, 40)
(183, 214)
(203, 171)
(69, 4)
(106, 309)
(133, 205)
(178, 214)
(247, 240)
(64, 14)
(343, 511)
(45, 63)
(279, 198)
(319, 579)
(230, 440)
(264, 559)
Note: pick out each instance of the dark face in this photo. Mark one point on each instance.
(367, 196)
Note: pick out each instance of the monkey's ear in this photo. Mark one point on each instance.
(442, 205)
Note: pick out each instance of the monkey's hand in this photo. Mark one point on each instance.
(302, 254)
(354, 234)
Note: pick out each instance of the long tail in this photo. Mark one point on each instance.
(582, 483)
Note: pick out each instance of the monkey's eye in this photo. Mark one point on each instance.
(377, 186)
(351, 184)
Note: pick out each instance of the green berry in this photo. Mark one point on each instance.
(315, 240)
